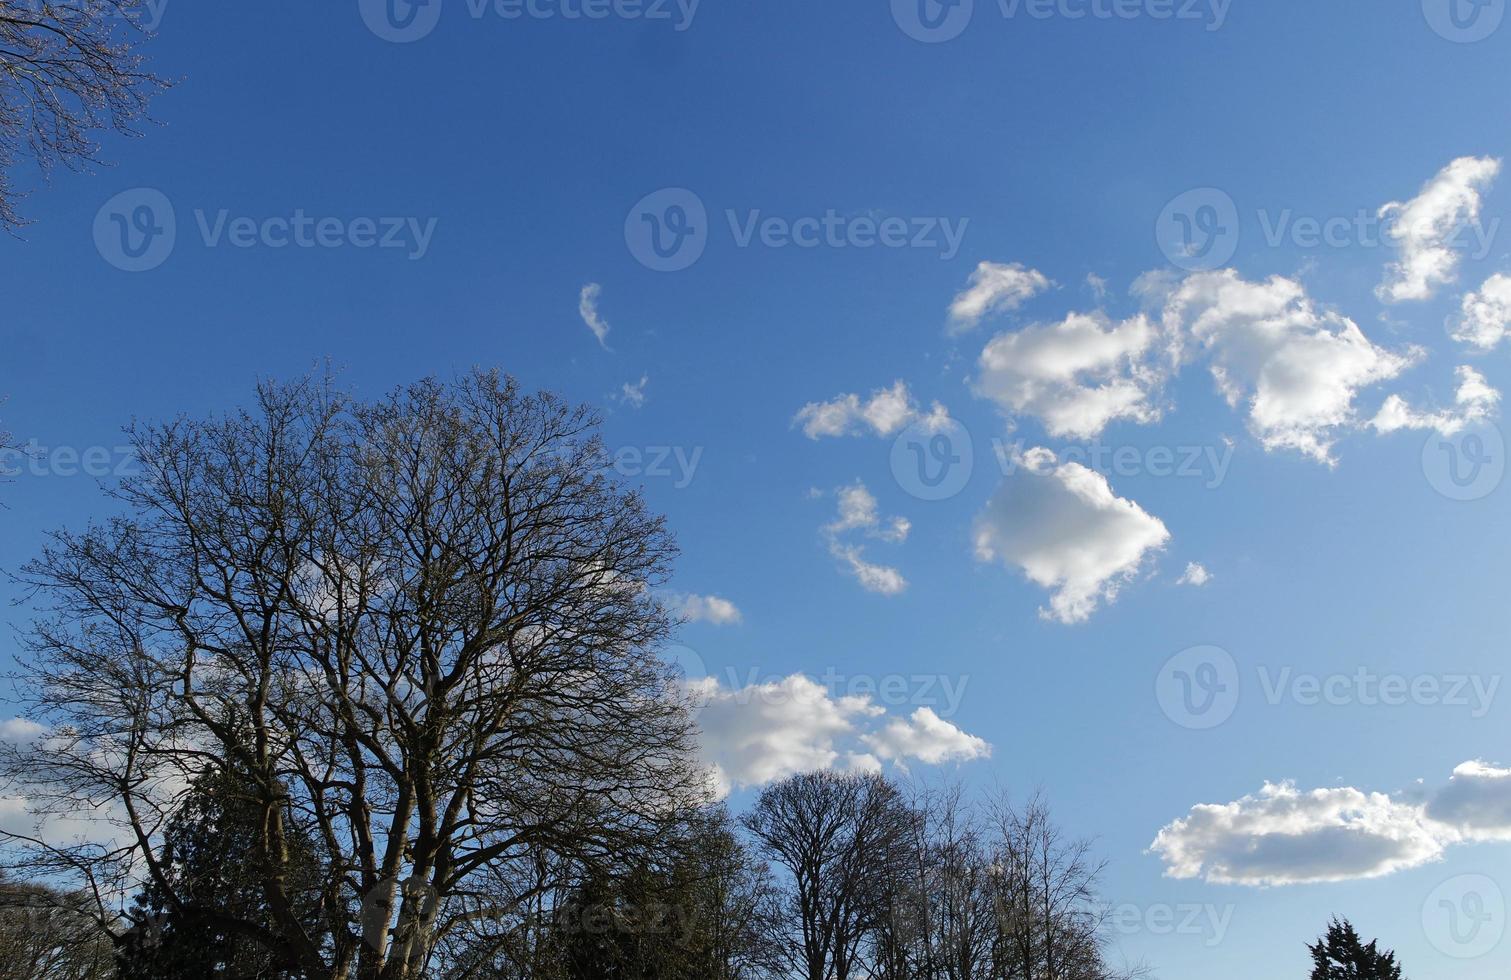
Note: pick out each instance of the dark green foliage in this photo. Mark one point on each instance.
(1342, 955)
(216, 871)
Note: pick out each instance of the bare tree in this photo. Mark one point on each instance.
(46, 934)
(422, 629)
(839, 837)
(69, 70)
(1050, 919)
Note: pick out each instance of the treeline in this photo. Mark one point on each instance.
(369, 690)
(828, 876)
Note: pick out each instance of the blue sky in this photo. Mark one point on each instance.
(513, 161)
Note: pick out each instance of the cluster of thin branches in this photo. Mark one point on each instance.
(69, 71)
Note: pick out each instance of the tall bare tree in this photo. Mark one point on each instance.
(421, 628)
(840, 838)
(69, 70)
(1050, 918)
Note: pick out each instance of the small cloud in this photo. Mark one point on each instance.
(1474, 400)
(886, 411)
(707, 609)
(1195, 574)
(994, 288)
(587, 306)
(634, 394)
(1425, 228)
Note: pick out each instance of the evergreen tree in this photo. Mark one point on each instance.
(1342, 955)
(214, 867)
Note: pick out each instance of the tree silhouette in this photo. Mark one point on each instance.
(1342, 955)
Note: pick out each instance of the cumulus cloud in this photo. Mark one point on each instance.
(1476, 803)
(764, 732)
(707, 609)
(20, 731)
(1283, 836)
(885, 411)
(1485, 317)
(587, 307)
(1062, 525)
(928, 738)
(1424, 229)
(1076, 375)
(1295, 369)
(1196, 574)
(994, 288)
(1473, 400)
(858, 512)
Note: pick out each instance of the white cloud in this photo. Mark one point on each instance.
(1065, 528)
(994, 288)
(1485, 318)
(858, 511)
(1196, 574)
(1294, 368)
(764, 732)
(1424, 228)
(886, 411)
(1283, 836)
(634, 394)
(1076, 375)
(707, 609)
(1476, 803)
(928, 738)
(587, 306)
(19, 730)
(1474, 400)
(881, 579)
